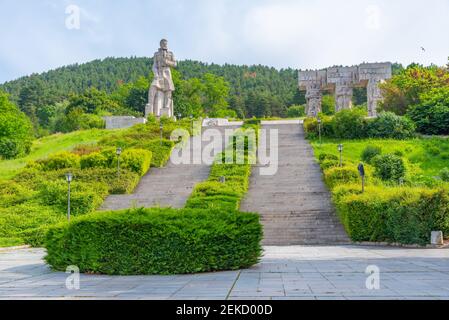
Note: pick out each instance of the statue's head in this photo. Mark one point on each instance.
(164, 44)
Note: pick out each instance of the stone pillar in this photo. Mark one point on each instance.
(313, 98)
(312, 82)
(374, 74)
(344, 79)
(374, 96)
(343, 96)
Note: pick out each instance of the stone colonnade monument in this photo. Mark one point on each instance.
(341, 81)
(160, 95)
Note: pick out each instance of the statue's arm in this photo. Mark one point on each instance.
(172, 61)
(155, 69)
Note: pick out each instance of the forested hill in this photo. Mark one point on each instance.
(258, 90)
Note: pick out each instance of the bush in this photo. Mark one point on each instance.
(444, 174)
(84, 197)
(160, 153)
(389, 125)
(404, 215)
(311, 127)
(326, 164)
(106, 158)
(156, 241)
(13, 148)
(388, 167)
(296, 111)
(327, 156)
(13, 193)
(340, 175)
(370, 152)
(350, 124)
(431, 115)
(136, 160)
(61, 160)
(16, 130)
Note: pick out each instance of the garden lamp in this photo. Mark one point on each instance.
(118, 152)
(69, 178)
(340, 149)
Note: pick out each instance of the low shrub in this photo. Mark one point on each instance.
(24, 221)
(444, 174)
(390, 125)
(340, 175)
(13, 193)
(84, 197)
(156, 241)
(296, 111)
(61, 160)
(136, 160)
(11, 148)
(85, 149)
(370, 152)
(326, 164)
(105, 158)
(327, 156)
(350, 124)
(311, 127)
(388, 167)
(401, 214)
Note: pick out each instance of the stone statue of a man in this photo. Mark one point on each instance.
(160, 96)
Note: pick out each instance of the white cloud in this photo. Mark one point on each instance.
(281, 33)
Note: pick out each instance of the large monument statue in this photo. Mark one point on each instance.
(341, 81)
(160, 95)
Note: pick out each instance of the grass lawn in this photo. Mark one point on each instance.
(423, 156)
(51, 144)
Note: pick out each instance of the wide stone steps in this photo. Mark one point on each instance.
(295, 206)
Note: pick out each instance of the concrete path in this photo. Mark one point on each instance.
(169, 186)
(297, 272)
(294, 204)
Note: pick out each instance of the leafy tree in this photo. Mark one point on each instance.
(406, 87)
(216, 91)
(16, 131)
(432, 114)
(93, 101)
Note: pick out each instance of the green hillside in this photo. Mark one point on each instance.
(254, 90)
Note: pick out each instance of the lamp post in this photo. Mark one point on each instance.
(179, 116)
(319, 129)
(118, 152)
(69, 178)
(361, 169)
(191, 123)
(161, 127)
(340, 149)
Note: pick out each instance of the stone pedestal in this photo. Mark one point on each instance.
(436, 238)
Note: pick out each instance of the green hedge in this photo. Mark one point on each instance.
(84, 198)
(160, 152)
(353, 124)
(135, 160)
(56, 161)
(156, 241)
(227, 194)
(400, 214)
(340, 175)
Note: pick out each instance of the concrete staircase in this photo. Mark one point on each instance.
(170, 186)
(294, 204)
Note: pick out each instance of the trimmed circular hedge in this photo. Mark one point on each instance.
(156, 241)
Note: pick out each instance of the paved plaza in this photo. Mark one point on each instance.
(294, 272)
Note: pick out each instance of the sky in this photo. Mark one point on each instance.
(39, 35)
